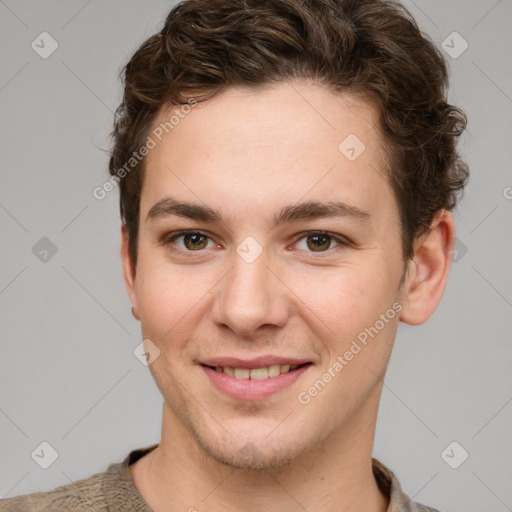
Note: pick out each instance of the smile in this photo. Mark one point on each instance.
(254, 383)
(257, 373)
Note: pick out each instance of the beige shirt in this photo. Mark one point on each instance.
(115, 491)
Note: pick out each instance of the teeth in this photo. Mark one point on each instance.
(227, 371)
(242, 373)
(274, 370)
(256, 373)
(259, 373)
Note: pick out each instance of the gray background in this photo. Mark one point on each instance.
(68, 375)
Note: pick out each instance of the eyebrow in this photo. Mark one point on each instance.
(308, 210)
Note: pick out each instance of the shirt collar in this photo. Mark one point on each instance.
(121, 494)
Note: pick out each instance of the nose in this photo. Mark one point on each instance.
(250, 297)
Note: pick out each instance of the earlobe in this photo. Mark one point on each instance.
(129, 272)
(429, 269)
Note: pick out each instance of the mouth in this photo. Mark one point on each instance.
(255, 383)
(262, 373)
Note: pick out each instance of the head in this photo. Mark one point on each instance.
(314, 136)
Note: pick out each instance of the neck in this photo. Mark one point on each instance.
(335, 475)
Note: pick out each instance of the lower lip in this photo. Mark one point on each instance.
(252, 389)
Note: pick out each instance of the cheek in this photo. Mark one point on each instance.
(169, 301)
(347, 301)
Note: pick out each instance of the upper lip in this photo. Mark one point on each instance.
(257, 362)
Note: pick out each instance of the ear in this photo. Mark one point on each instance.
(129, 272)
(428, 270)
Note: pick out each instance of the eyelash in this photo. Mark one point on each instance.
(168, 240)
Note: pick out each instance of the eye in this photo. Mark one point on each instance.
(197, 241)
(320, 241)
(189, 240)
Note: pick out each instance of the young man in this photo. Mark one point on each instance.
(286, 173)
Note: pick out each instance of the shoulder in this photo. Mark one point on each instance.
(390, 487)
(418, 507)
(82, 495)
(111, 491)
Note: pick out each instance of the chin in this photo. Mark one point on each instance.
(249, 458)
(253, 453)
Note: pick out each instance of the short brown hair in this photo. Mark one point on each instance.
(372, 48)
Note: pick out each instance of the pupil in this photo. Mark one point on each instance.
(317, 242)
(194, 241)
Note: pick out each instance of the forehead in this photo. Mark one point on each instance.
(249, 148)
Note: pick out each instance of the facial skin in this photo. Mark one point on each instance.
(246, 155)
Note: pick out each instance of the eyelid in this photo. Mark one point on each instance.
(339, 239)
(170, 237)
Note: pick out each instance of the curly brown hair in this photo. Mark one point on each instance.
(372, 48)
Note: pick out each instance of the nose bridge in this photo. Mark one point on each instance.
(250, 295)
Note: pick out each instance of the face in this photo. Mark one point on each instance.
(263, 242)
